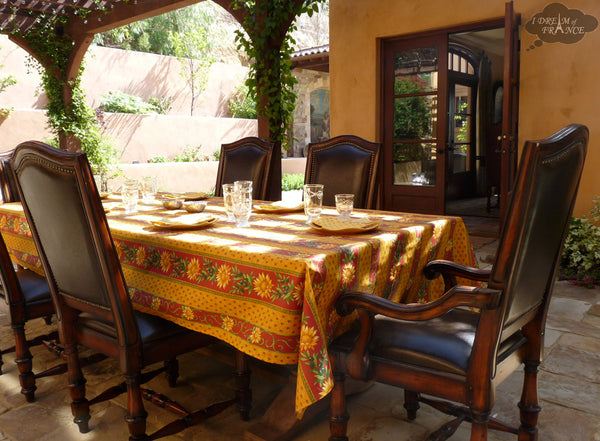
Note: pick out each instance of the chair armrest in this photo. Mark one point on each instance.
(451, 270)
(474, 297)
(358, 362)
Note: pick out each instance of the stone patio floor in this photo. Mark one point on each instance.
(569, 390)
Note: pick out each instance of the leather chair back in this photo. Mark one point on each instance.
(344, 164)
(537, 222)
(71, 233)
(8, 186)
(248, 159)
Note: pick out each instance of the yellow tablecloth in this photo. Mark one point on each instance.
(269, 290)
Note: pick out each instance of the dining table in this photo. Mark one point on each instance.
(269, 289)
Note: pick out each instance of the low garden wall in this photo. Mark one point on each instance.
(190, 176)
(139, 138)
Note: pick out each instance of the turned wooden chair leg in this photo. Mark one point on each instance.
(172, 371)
(411, 404)
(136, 413)
(529, 405)
(338, 416)
(23, 358)
(479, 425)
(80, 407)
(242, 381)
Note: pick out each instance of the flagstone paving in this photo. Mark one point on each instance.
(569, 390)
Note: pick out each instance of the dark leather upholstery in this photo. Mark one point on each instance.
(70, 229)
(344, 164)
(27, 297)
(8, 186)
(248, 159)
(461, 346)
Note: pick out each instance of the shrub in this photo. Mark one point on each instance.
(292, 182)
(190, 154)
(241, 105)
(119, 102)
(580, 260)
(161, 105)
(157, 159)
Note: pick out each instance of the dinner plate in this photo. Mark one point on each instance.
(184, 222)
(338, 225)
(279, 207)
(186, 196)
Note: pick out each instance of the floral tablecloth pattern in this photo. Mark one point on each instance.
(268, 290)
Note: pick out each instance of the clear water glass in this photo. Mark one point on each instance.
(148, 187)
(313, 201)
(228, 190)
(344, 204)
(242, 202)
(130, 195)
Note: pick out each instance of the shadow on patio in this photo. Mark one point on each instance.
(569, 387)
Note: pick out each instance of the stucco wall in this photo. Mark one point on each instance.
(137, 137)
(135, 73)
(558, 82)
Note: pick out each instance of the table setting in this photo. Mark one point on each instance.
(256, 275)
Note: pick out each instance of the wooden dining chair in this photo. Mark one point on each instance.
(461, 346)
(71, 233)
(8, 186)
(27, 297)
(344, 164)
(247, 159)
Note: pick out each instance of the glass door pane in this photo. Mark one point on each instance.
(415, 116)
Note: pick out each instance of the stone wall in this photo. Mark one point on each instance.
(308, 81)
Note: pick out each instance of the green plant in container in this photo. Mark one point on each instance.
(580, 260)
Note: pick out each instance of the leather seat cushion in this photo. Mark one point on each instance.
(34, 287)
(444, 343)
(152, 328)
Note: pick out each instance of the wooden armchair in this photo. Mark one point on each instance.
(94, 310)
(344, 164)
(247, 159)
(461, 346)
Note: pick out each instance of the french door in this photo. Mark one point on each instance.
(415, 100)
(423, 156)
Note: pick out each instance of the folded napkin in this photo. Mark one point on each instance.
(184, 222)
(109, 206)
(280, 207)
(340, 225)
(186, 196)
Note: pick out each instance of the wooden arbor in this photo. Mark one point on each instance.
(75, 22)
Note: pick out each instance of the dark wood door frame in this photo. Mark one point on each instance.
(510, 108)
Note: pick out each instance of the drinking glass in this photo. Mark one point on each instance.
(313, 201)
(344, 204)
(228, 190)
(242, 202)
(130, 195)
(148, 187)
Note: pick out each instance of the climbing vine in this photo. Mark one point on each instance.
(74, 118)
(270, 74)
